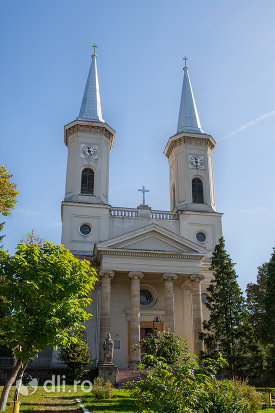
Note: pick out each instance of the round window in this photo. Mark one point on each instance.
(200, 236)
(85, 229)
(146, 297)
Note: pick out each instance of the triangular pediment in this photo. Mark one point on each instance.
(153, 238)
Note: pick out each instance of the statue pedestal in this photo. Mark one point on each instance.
(108, 372)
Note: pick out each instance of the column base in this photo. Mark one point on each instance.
(108, 372)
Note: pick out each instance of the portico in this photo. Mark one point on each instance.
(123, 309)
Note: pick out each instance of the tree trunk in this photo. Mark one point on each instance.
(8, 384)
(19, 381)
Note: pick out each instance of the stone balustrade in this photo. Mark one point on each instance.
(134, 213)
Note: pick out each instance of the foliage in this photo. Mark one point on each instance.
(102, 389)
(227, 329)
(189, 386)
(76, 355)
(44, 289)
(261, 307)
(179, 388)
(32, 239)
(7, 192)
(165, 345)
(269, 319)
(255, 293)
(249, 393)
(1, 236)
(232, 396)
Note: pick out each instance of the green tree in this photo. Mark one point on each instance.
(44, 289)
(227, 329)
(7, 192)
(1, 236)
(269, 316)
(255, 294)
(7, 196)
(76, 355)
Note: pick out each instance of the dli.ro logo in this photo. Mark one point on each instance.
(55, 385)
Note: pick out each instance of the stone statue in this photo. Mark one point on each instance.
(108, 347)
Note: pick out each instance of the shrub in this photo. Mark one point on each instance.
(102, 389)
(179, 388)
(165, 345)
(249, 393)
(226, 397)
(188, 386)
(76, 355)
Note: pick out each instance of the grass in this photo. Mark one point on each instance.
(121, 402)
(63, 401)
(44, 401)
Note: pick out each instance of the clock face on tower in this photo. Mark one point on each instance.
(88, 151)
(196, 161)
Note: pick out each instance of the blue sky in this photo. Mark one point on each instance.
(45, 58)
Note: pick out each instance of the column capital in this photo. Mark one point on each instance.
(169, 277)
(135, 275)
(107, 274)
(197, 277)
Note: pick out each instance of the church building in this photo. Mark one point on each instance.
(150, 263)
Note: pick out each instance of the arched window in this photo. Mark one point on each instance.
(87, 181)
(197, 191)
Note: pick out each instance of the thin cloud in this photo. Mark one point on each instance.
(249, 124)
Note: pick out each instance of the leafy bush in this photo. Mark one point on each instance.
(190, 386)
(102, 389)
(249, 393)
(165, 345)
(233, 396)
(179, 388)
(76, 355)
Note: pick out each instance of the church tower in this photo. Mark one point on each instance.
(189, 154)
(89, 140)
(152, 264)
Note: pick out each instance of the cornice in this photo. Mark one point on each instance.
(79, 126)
(190, 212)
(192, 138)
(155, 254)
(84, 204)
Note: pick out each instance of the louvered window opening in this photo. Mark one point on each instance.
(173, 197)
(197, 191)
(87, 181)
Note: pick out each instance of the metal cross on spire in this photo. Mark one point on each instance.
(185, 58)
(143, 190)
(94, 46)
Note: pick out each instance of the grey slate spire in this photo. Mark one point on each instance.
(188, 115)
(91, 107)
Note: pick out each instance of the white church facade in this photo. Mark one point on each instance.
(150, 263)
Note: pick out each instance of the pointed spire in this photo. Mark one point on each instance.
(188, 115)
(91, 107)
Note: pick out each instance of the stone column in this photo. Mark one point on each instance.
(105, 313)
(187, 316)
(197, 311)
(169, 301)
(135, 316)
